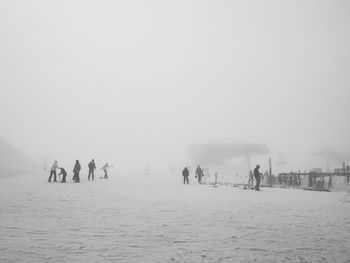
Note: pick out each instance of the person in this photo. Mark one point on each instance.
(92, 168)
(64, 174)
(250, 180)
(54, 167)
(257, 177)
(185, 174)
(76, 171)
(105, 170)
(199, 174)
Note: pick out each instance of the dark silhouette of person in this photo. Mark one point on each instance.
(76, 171)
(92, 168)
(199, 174)
(185, 174)
(105, 170)
(257, 177)
(54, 167)
(64, 174)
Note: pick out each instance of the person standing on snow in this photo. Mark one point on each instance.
(54, 167)
(64, 174)
(105, 170)
(257, 177)
(199, 174)
(250, 180)
(92, 168)
(185, 174)
(76, 171)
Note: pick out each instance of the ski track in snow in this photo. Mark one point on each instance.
(119, 220)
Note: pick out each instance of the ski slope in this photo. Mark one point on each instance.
(158, 219)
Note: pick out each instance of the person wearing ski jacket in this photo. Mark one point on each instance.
(64, 174)
(54, 167)
(92, 168)
(199, 174)
(185, 174)
(76, 171)
(105, 170)
(251, 180)
(257, 177)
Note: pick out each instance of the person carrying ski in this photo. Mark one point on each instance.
(257, 177)
(105, 170)
(64, 174)
(199, 174)
(92, 168)
(54, 167)
(76, 171)
(185, 174)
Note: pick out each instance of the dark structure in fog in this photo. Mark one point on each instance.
(215, 154)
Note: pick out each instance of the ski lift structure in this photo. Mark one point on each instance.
(215, 154)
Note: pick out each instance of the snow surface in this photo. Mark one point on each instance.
(158, 219)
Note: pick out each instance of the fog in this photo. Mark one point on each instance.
(134, 82)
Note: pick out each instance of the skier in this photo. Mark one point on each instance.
(92, 168)
(185, 174)
(64, 174)
(257, 177)
(76, 171)
(105, 170)
(199, 174)
(53, 172)
(250, 180)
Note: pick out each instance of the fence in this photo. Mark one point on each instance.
(314, 181)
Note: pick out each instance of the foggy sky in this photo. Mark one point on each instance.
(134, 82)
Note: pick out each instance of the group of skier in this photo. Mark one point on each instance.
(76, 171)
(199, 175)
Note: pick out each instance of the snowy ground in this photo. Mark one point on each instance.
(120, 220)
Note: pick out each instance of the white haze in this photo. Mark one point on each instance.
(135, 82)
